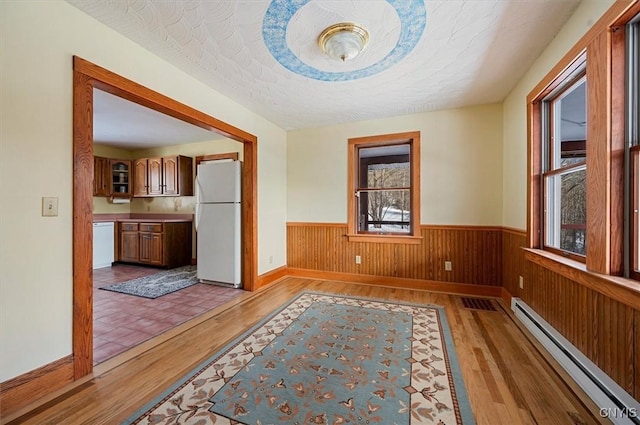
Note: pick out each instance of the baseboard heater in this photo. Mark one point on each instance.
(613, 401)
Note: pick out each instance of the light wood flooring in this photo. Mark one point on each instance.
(508, 380)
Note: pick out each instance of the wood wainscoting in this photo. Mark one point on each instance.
(475, 253)
(605, 330)
(513, 262)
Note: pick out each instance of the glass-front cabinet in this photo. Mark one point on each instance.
(120, 177)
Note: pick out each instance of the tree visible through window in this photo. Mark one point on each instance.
(384, 188)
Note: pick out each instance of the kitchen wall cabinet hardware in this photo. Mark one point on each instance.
(166, 244)
(163, 176)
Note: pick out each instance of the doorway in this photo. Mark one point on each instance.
(86, 77)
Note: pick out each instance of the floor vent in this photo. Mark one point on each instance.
(614, 402)
(478, 304)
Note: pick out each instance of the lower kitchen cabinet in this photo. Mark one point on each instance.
(129, 242)
(151, 244)
(159, 244)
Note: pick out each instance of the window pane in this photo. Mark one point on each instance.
(388, 175)
(385, 211)
(570, 126)
(566, 213)
(384, 166)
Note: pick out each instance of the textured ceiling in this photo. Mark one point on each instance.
(422, 55)
(127, 125)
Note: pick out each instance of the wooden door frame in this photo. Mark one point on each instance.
(86, 77)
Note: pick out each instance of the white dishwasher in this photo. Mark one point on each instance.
(102, 244)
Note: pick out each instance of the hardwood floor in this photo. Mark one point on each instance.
(508, 380)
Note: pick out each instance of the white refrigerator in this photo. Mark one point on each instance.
(218, 220)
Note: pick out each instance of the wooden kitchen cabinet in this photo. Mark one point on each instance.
(111, 177)
(147, 177)
(120, 177)
(166, 176)
(101, 176)
(178, 175)
(140, 178)
(154, 176)
(166, 244)
(151, 244)
(129, 243)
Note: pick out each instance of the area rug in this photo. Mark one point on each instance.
(157, 285)
(326, 359)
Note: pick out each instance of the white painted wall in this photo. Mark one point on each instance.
(461, 166)
(514, 188)
(464, 177)
(37, 41)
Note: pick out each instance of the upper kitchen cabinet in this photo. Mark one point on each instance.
(166, 176)
(147, 177)
(120, 177)
(101, 173)
(178, 175)
(111, 177)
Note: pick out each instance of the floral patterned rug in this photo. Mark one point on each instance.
(326, 359)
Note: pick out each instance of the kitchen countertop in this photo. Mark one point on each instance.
(151, 220)
(143, 218)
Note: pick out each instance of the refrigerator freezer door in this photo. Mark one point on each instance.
(218, 247)
(218, 182)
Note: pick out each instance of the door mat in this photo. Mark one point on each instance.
(157, 285)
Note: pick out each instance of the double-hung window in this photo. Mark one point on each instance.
(384, 187)
(564, 154)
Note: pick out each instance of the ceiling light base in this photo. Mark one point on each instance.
(343, 41)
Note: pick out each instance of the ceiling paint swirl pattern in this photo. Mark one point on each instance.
(411, 13)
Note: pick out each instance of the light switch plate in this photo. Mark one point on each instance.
(49, 207)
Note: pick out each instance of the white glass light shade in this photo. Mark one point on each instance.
(343, 41)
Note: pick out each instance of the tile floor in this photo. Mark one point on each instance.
(123, 321)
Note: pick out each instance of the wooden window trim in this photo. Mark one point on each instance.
(353, 235)
(603, 42)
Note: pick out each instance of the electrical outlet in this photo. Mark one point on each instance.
(271, 259)
(521, 282)
(447, 266)
(49, 207)
(358, 259)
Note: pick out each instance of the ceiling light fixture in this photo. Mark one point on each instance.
(343, 41)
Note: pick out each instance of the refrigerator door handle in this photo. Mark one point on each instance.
(197, 215)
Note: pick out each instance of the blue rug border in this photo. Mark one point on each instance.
(464, 405)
